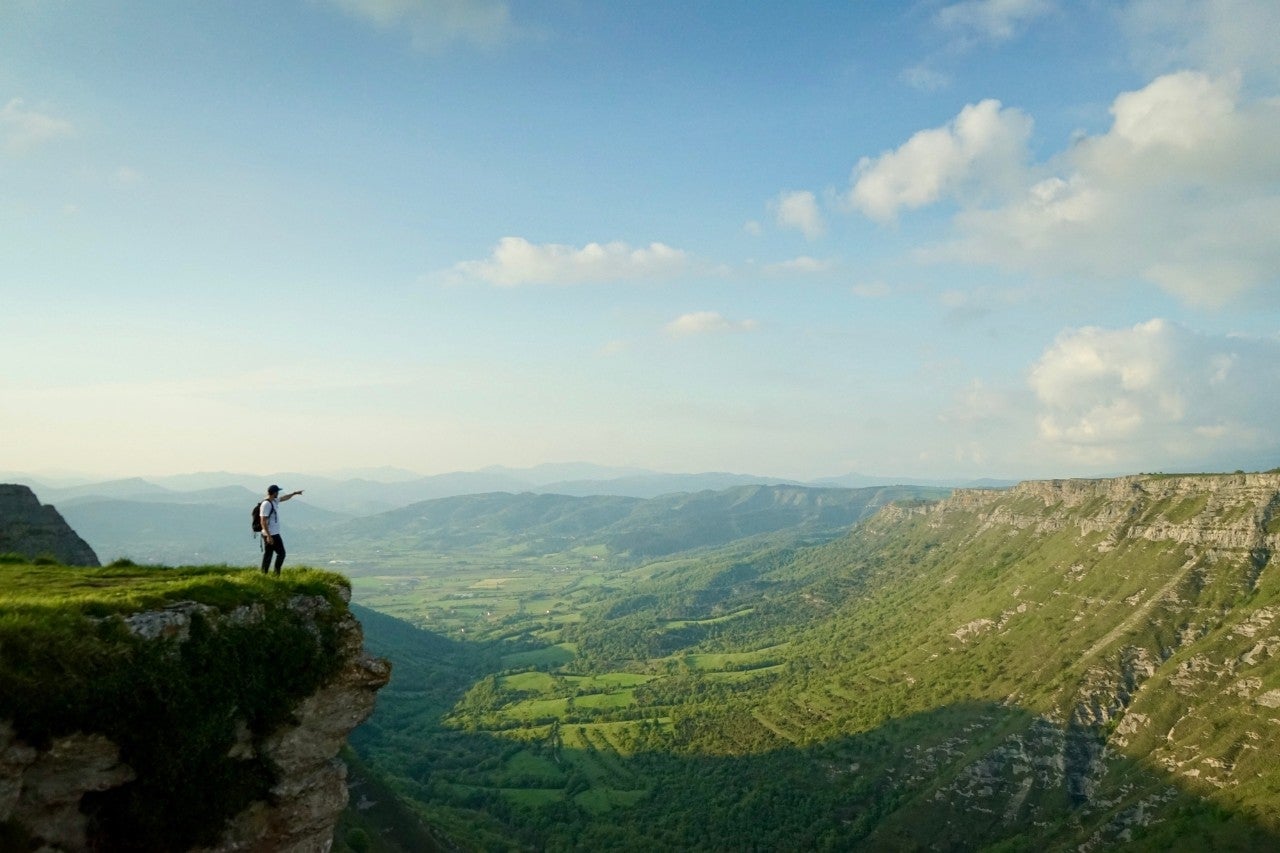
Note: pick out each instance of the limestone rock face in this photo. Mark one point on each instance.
(1232, 511)
(312, 790)
(33, 530)
(1161, 587)
(41, 789)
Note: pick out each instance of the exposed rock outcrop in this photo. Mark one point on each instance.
(40, 790)
(1235, 511)
(31, 530)
(312, 789)
(1161, 584)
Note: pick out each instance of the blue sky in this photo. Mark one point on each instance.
(1006, 238)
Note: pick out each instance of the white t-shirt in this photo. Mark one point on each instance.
(270, 516)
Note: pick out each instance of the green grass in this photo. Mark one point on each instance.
(130, 589)
(527, 764)
(619, 699)
(550, 656)
(528, 681)
(676, 624)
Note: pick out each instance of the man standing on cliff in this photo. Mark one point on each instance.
(272, 541)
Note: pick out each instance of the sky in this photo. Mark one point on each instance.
(986, 238)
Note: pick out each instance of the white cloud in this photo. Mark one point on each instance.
(23, 129)
(982, 149)
(1181, 191)
(799, 210)
(1216, 36)
(1157, 393)
(802, 264)
(871, 289)
(435, 23)
(706, 322)
(125, 176)
(991, 20)
(925, 79)
(1182, 111)
(516, 261)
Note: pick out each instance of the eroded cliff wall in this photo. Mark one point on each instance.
(1135, 618)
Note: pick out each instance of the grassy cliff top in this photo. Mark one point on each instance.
(123, 588)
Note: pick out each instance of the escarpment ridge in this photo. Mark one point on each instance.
(1226, 510)
(1134, 617)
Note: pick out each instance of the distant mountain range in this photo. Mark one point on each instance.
(212, 525)
(367, 492)
(203, 517)
(530, 524)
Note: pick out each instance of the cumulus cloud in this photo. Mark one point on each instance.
(516, 261)
(1180, 191)
(23, 129)
(435, 23)
(1156, 392)
(991, 20)
(799, 210)
(984, 148)
(706, 322)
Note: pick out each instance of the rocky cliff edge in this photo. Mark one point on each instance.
(44, 788)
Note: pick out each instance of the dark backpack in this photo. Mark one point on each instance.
(257, 516)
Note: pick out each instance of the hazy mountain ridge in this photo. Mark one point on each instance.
(548, 523)
(381, 490)
(181, 532)
(151, 524)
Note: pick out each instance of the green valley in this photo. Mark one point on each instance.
(1062, 664)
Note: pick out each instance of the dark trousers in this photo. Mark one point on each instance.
(274, 545)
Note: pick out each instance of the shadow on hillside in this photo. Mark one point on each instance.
(963, 777)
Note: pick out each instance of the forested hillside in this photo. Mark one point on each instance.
(537, 524)
(1067, 665)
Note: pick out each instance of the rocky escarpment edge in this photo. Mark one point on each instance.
(43, 789)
